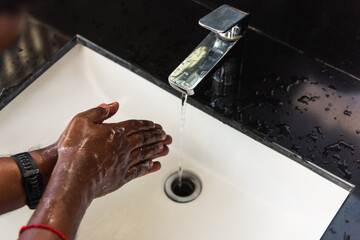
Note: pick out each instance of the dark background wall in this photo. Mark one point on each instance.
(326, 29)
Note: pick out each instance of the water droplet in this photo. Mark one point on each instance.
(293, 83)
(332, 230)
(347, 113)
(311, 157)
(312, 137)
(331, 76)
(357, 131)
(304, 79)
(284, 129)
(343, 166)
(319, 130)
(327, 109)
(327, 95)
(305, 99)
(347, 221)
(295, 148)
(336, 147)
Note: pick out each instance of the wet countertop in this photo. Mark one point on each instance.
(283, 95)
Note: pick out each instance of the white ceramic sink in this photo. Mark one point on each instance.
(249, 190)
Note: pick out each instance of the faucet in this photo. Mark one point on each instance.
(227, 26)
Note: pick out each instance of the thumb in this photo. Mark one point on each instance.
(101, 113)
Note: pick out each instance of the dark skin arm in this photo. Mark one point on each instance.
(12, 190)
(95, 159)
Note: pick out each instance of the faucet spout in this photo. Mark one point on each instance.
(227, 26)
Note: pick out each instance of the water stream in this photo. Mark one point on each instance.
(181, 138)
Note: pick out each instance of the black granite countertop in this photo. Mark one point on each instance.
(283, 96)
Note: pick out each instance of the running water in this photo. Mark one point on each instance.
(182, 125)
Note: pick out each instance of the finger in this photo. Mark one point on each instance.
(158, 126)
(164, 152)
(146, 152)
(114, 107)
(140, 139)
(156, 166)
(168, 140)
(98, 114)
(133, 126)
(139, 170)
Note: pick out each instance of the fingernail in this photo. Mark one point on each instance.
(103, 105)
(151, 164)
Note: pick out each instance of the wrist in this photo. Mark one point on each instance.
(72, 177)
(45, 159)
(63, 204)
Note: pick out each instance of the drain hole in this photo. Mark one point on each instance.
(184, 188)
(186, 191)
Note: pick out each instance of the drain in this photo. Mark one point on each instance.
(187, 191)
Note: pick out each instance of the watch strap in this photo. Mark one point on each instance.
(32, 180)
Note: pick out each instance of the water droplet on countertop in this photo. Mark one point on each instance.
(312, 137)
(295, 148)
(291, 84)
(284, 129)
(347, 113)
(304, 79)
(327, 109)
(343, 166)
(336, 147)
(319, 130)
(305, 99)
(357, 131)
(332, 230)
(347, 221)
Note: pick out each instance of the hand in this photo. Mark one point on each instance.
(105, 156)
(95, 158)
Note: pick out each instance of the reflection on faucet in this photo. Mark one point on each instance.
(228, 26)
(225, 86)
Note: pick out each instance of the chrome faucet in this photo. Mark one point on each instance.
(227, 26)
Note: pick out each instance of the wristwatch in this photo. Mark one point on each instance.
(32, 180)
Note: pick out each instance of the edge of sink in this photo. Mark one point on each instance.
(78, 39)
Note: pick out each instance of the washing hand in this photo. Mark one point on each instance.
(94, 159)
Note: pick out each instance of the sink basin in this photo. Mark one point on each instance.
(249, 191)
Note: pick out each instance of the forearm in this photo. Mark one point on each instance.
(62, 206)
(11, 186)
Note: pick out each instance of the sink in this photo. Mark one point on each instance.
(249, 191)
